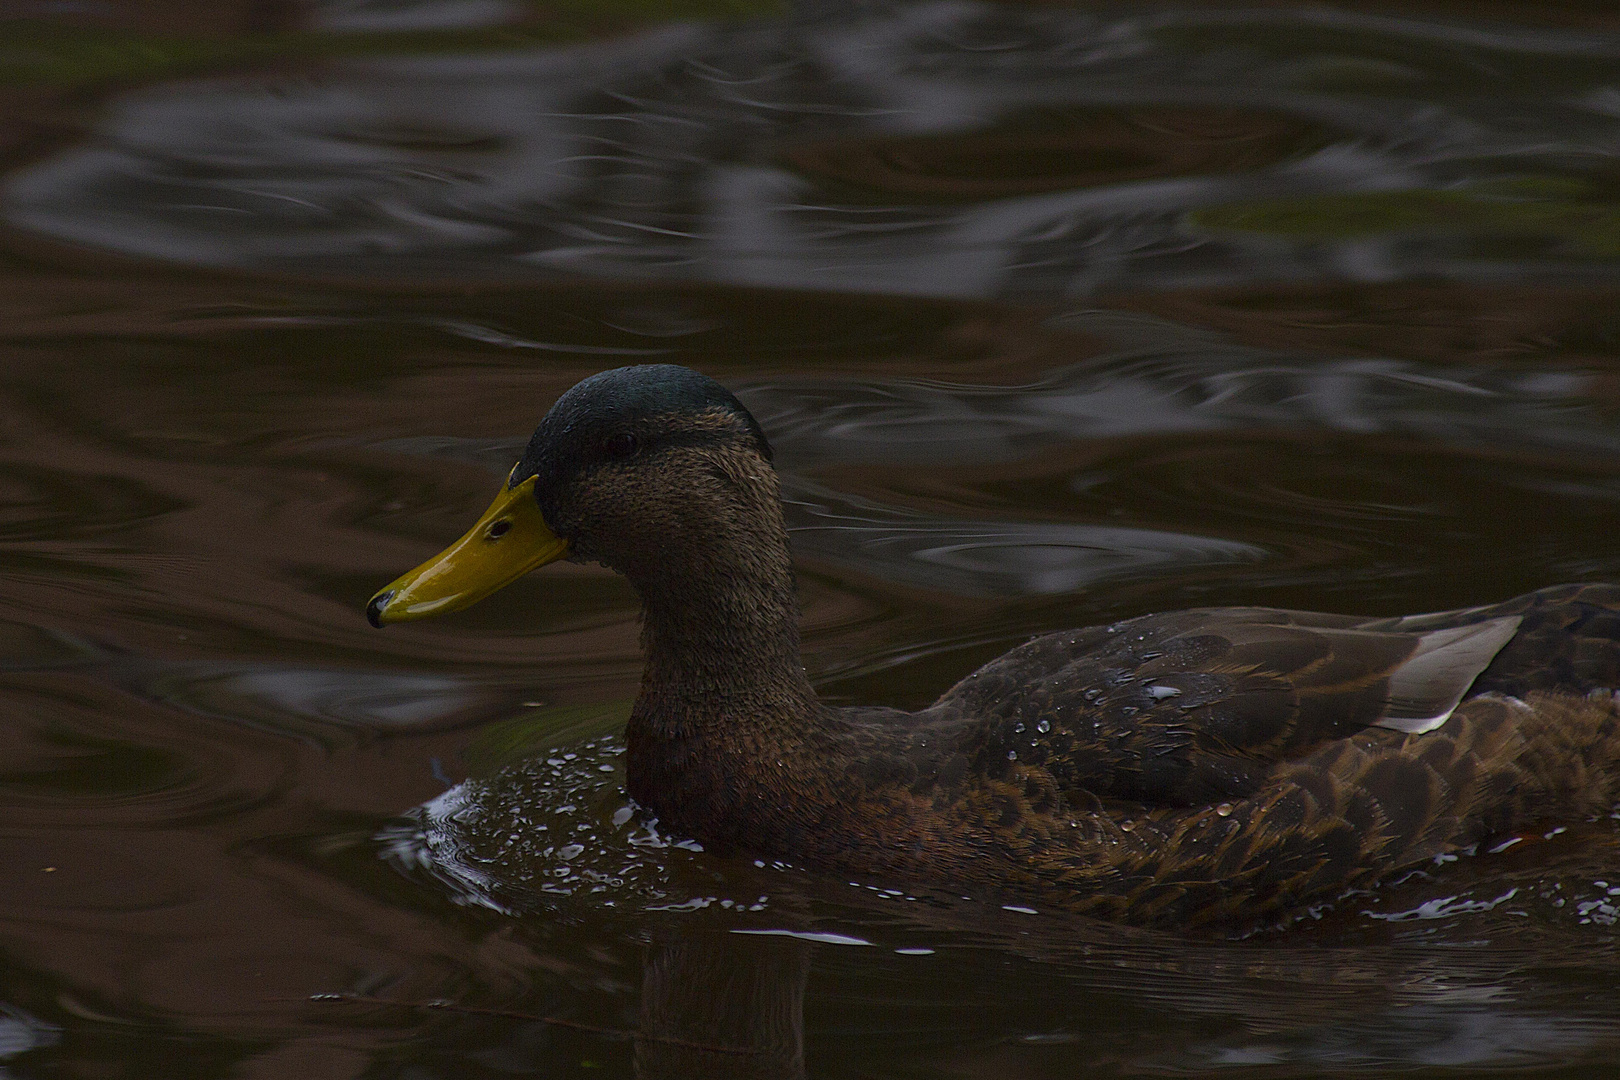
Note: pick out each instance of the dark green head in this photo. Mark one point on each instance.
(627, 413)
(636, 467)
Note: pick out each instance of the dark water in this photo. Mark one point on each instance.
(1055, 315)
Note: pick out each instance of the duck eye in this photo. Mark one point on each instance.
(620, 444)
(497, 530)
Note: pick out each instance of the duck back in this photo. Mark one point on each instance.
(1232, 764)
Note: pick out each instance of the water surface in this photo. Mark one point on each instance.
(1055, 315)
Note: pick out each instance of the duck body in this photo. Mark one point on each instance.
(1217, 765)
(1178, 769)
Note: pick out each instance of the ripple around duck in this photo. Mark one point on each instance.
(550, 826)
(292, 699)
(988, 558)
(529, 165)
(80, 750)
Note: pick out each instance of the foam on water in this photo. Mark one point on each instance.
(553, 829)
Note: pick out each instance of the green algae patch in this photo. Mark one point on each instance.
(1566, 212)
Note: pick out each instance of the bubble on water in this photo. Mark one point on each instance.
(485, 839)
(1442, 907)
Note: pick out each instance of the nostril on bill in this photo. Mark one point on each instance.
(497, 530)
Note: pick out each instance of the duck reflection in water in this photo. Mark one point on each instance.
(742, 994)
(714, 1003)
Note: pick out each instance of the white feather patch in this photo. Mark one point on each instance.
(1427, 687)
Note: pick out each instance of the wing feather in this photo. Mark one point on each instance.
(1198, 706)
(1425, 689)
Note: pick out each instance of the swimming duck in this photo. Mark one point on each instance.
(1173, 769)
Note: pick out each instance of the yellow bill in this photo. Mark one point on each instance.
(511, 539)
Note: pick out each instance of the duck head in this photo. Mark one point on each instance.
(640, 468)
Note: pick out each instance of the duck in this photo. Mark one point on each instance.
(1179, 769)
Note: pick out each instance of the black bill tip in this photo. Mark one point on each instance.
(374, 609)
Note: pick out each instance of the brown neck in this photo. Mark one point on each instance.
(723, 655)
(724, 698)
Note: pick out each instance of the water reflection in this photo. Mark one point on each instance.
(950, 149)
(20, 1033)
(710, 988)
(275, 695)
(1458, 1036)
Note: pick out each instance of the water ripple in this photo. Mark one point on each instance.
(726, 153)
(987, 558)
(1161, 379)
